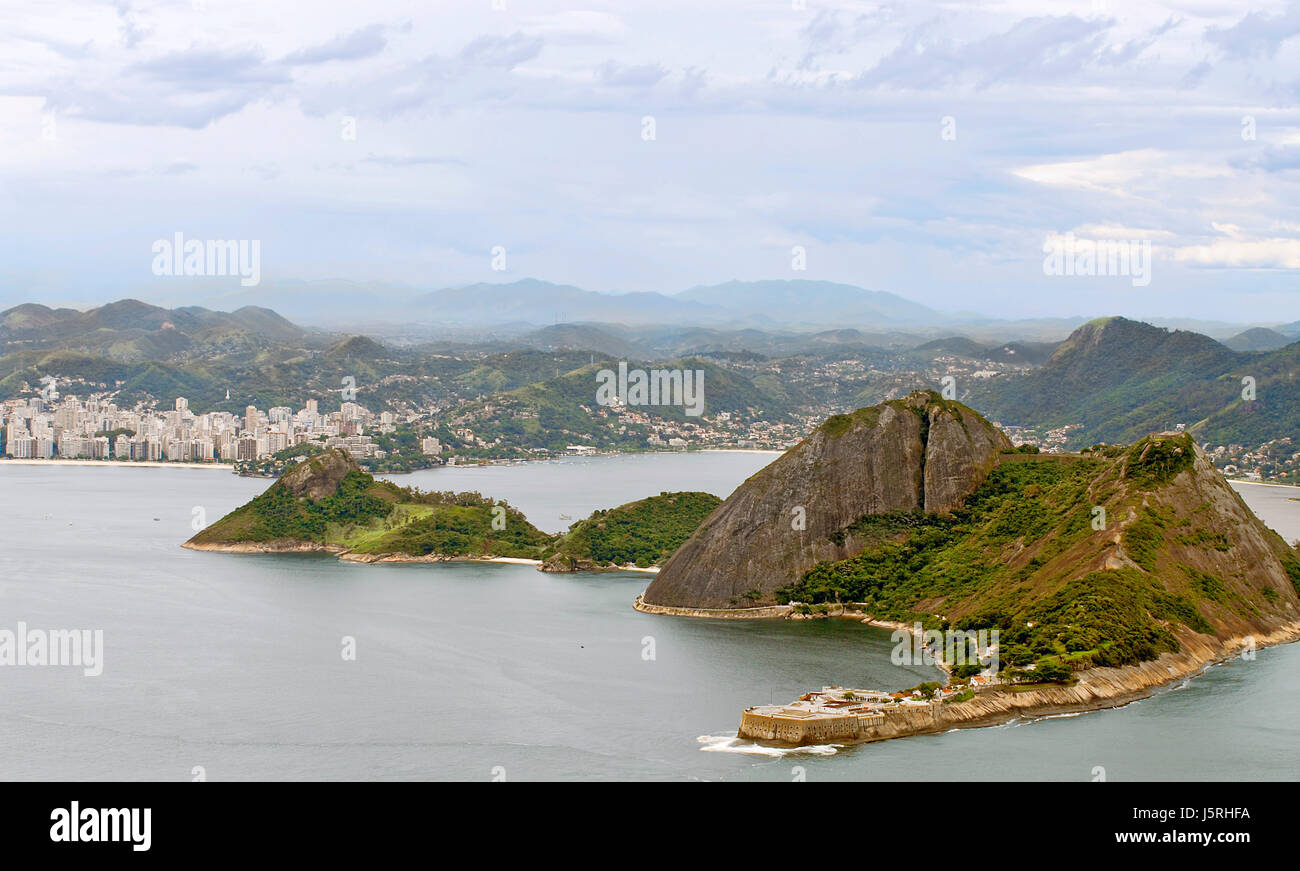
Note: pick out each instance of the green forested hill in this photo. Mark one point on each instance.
(385, 378)
(1121, 379)
(328, 500)
(642, 533)
(554, 412)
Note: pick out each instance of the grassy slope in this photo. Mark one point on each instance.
(375, 517)
(1023, 550)
(454, 524)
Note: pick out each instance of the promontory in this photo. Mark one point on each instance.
(1104, 573)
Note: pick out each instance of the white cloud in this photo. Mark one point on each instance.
(523, 128)
(1276, 253)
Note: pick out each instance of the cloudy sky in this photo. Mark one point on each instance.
(776, 124)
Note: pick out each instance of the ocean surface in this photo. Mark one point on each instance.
(231, 666)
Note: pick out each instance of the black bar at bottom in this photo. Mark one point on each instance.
(885, 819)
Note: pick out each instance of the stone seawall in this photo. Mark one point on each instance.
(764, 613)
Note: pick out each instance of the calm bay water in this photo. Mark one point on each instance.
(232, 662)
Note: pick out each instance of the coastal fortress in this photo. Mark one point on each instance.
(832, 714)
(846, 715)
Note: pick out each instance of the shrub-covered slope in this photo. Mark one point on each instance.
(1103, 558)
(641, 533)
(327, 501)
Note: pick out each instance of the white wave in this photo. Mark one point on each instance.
(736, 744)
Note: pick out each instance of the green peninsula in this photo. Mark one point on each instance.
(327, 503)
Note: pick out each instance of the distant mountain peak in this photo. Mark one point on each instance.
(358, 346)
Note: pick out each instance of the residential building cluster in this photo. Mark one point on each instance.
(96, 428)
(1276, 461)
(1049, 441)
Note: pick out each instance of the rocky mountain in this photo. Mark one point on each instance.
(319, 477)
(921, 453)
(917, 511)
(1106, 558)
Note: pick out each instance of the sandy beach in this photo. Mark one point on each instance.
(118, 464)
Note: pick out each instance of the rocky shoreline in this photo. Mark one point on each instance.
(289, 545)
(279, 545)
(1095, 689)
(297, 546)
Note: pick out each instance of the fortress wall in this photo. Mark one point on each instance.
(763, 613)
(814, 730)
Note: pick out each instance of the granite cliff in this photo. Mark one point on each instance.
(320, 476)
(918, 454)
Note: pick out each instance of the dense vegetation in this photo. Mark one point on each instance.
(642, 533)
(378, 517)
(1155, 460)
(1007, 560)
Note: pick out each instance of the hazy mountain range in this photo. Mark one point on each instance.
(484, 311)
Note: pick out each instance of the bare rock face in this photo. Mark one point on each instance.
(960, 449)
(912, 454)
(320, 475)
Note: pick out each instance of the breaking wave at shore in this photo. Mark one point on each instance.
(736, 744)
